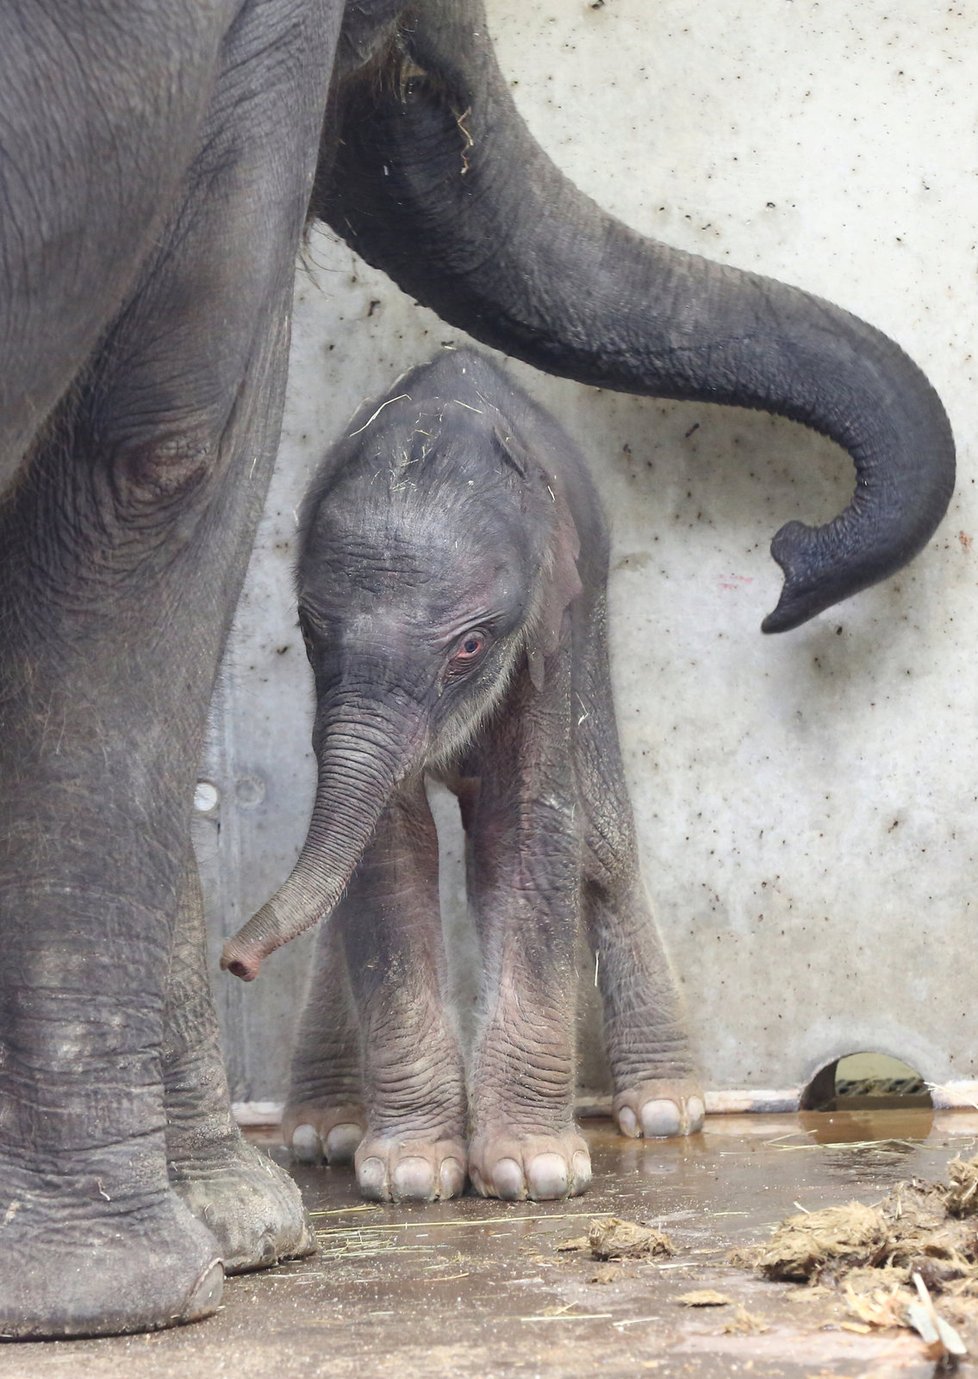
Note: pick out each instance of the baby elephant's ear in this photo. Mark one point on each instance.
(559, 580)
(561, 584)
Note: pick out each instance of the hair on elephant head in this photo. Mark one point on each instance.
(436, 546)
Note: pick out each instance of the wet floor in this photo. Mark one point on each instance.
(479, 1289)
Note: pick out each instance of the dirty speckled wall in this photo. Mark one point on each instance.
(807, 805)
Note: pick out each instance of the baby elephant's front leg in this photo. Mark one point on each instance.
(524, 880)
(525, 1142)
(413, 1079)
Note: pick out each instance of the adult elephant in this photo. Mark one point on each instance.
(156, 168)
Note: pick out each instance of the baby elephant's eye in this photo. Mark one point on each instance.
(469, 649)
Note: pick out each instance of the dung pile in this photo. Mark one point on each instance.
(811, 1244)
(962, 1192)
(924, 1228)
(891, 1259)
(610, 1237)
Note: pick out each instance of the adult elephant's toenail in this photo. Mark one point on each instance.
(307, 1242)
(451, 1178)
(206, 1293)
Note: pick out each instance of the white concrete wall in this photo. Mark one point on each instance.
(808, 805)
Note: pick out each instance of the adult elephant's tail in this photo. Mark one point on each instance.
(432, 175)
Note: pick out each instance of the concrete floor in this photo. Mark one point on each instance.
(478, 1288)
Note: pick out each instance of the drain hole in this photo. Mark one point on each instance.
(864, 1082)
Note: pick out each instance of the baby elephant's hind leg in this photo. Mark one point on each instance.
(324, 1119)
(657, 1091)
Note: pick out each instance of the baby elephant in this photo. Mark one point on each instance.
(452, 598)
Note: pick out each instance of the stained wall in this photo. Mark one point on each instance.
(807, 804)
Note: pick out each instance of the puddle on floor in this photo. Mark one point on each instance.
(479, 1288)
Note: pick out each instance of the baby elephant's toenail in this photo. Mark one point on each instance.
(627, 1122)
(582, 1169)
(547, 1176)
(695, 1115)
(305, 1144)
(341, 1143)
(507, 1180)
(661, 1119)
(414, 1180)
(372, 1177)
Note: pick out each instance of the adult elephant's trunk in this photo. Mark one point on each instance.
(436, 179)
(362, 756)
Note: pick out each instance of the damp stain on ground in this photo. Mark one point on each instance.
(571, 1289)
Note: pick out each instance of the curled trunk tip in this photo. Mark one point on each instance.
(267, 930)
(354, 787)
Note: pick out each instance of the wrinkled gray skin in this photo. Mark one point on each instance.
(452, 578)
(157, 163)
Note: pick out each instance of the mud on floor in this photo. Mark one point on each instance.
(484, 1289)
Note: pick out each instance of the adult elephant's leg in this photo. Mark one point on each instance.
(100, 111)
(524, 862)
(123, 548)
(95, 808)
(250, 1204)
(324, 1117)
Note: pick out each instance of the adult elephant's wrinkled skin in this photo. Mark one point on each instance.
(452, 582)
(157, 164)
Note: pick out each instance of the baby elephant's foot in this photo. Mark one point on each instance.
(660, 1109)
(394, 1169)
(251, 1206)
(544, 1168)
(318, 1132)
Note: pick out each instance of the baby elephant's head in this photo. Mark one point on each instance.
(427, 557)
(437, 558)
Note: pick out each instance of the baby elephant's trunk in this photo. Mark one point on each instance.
(357, 776)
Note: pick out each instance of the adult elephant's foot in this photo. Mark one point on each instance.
(542, 1167)
(660, 1108)
(394, 1168)
(251, 1205)
(322, 1131)
(78, 1262)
